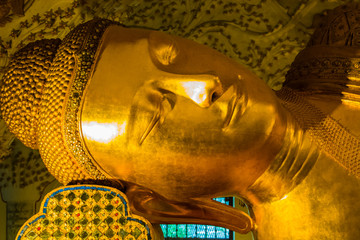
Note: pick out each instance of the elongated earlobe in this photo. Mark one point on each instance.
(158, 209)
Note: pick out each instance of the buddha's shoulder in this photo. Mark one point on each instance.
(323, 206)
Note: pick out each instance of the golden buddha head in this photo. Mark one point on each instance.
(155, 96)
(144, 107)
(177, 109)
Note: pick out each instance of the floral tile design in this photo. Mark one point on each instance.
(85, 212)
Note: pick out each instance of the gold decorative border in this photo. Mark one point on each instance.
(134, 220)
(60, 142)
(84, 63)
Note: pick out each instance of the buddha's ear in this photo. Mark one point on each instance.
(149, 109)
(158, 209)
(163, 48)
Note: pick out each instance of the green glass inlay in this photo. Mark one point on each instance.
(97, 196)
(196, 230)
(59, 196)
(96, 208)
(201, 231)
(96, 221)
(123, 233)
(109, 208)
(58, 221)
(181, 231)
(136, 233)
(71, 235)
(77, 226)
(58, 208)
(109, 220)
(172, 230)
(84, 208)
(71, 208)
(96, 234)
(57, 234)
(71, 221)
(109, 233)
(83, 221)
(44, 235)
(109, 196)
(31, 235)
(122, 220)
(84, 234)
(84, 196)
(45, 222)
(120, 208)
(71, 196)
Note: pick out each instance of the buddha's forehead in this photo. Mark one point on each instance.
(144, 51)
(191, 57)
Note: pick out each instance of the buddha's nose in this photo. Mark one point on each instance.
(203, 89)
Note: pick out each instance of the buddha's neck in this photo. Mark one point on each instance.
(323, 206)
(291, 165)
(330, 124)
(326, 195)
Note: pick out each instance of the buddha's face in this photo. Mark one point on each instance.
(178, 117)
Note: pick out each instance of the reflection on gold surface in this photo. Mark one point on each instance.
(201, 92)
(284, 197)
(102, 132)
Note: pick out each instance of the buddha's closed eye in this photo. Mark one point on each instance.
(153, 102)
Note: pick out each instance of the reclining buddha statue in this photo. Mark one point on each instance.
(175, 124)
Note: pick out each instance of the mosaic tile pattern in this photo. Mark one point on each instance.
(198, 231)
(85, 212)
